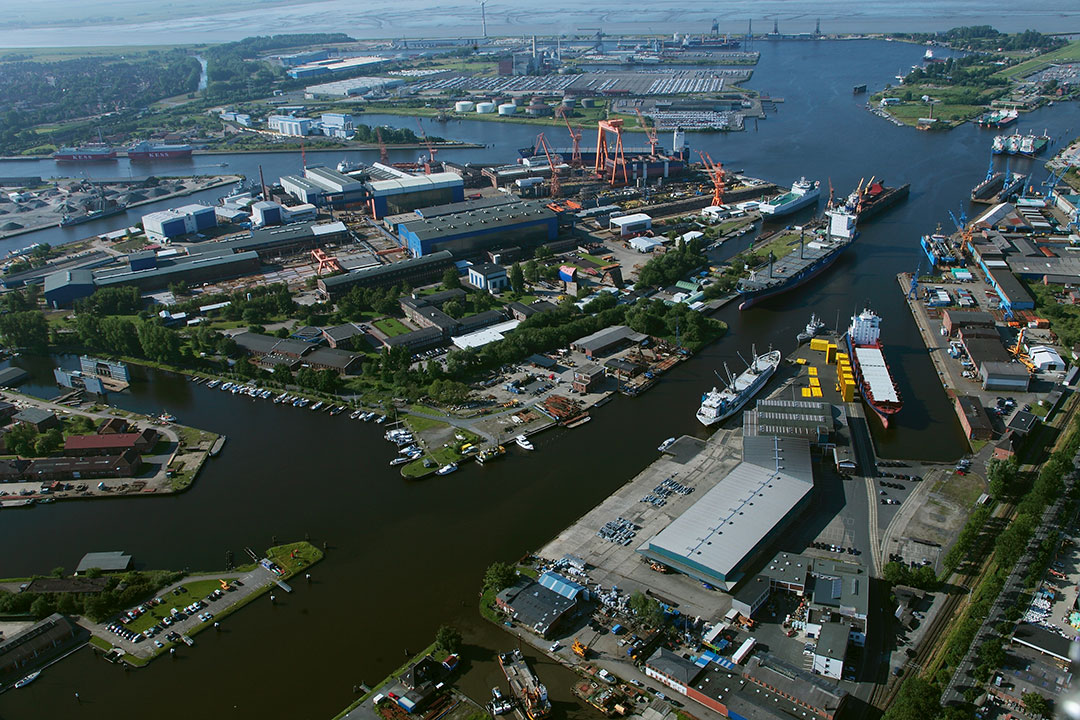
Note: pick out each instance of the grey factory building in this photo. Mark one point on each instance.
(415, 271)
(716, 538)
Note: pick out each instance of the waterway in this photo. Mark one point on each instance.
(405, 557)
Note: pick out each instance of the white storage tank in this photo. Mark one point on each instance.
(485, 107)
(507, 109)
(464, 106)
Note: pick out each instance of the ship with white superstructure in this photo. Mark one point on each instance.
(879, 390)
(803, 193)
(718, 405)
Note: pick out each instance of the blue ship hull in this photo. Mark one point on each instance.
(751, 298)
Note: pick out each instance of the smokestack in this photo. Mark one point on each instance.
(262, 184)
(483, 17)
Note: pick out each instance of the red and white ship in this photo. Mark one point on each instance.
(146, 150)
(879, 390)
(85, 153)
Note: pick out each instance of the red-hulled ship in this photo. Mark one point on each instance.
(85, 153)
(146, 150)
(879, 390)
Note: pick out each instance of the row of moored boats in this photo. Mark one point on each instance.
(253, 391)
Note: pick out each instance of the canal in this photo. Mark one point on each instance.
(405, 557)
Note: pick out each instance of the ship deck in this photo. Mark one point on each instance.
(788, 266)
(876, 374)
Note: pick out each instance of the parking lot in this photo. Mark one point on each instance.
(178, 613)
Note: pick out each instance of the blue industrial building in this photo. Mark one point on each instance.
(1011, 291)
(174, 222)
(472, 231)
(65, 287)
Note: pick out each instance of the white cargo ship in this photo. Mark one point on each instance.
(718, 405)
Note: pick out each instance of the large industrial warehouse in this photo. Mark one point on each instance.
(472, 230)
(717, 537)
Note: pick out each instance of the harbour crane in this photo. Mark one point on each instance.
(430, 147)
(575, 137)
(384, 157)
(541, 142)
(716, 174)
(654, 141)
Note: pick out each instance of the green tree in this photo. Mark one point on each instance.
(1002, 476)
(448, 638)
(20, 439)
(918, 699)
(1036, 704)
(450, 279)
(48, 442)
(499, 575)
(531, 271)
(517, 278)
(26, 329)
(896, 573)
(58, 571)
(42, 608)
(648, 610)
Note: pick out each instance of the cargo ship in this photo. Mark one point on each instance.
(803, 192)
(870, 201)
(879, 390)
(96, 214)
(789, 272)
(718, 405)
(525, 685)
(146, 150)
(85, 153)
(998, 187)
(997, 119)
(1017, 144)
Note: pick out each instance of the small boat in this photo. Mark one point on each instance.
(28, 679)
(523, 443)
(380, 420)
(812, 329)
(666, 444)
(491, 453)
(317, 406)
(400, 460)
(213, 383)
(354, 414)
(446, 469)
(166, 417)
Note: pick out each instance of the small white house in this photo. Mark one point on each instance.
(488, 276)
(644, 244)
(715, 213)
(1046, 359)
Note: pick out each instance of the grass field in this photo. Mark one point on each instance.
(391, 326)
(70, 53)
(1069, 53)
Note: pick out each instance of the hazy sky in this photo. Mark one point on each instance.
(126, 22)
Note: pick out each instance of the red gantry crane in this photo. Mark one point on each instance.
(431, 148)
(716, 174)
(654, 142)
(614, 155)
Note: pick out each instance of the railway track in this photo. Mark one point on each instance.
(930, 648)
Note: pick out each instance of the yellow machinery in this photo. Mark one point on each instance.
(580, 649)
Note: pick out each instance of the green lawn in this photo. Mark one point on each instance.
(295, 557)
(196, 590)
(418, 424)
(1069, 53)
(135, 243)
(391, 326)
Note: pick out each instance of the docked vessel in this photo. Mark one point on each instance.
(938, 250)
(879, 390)
(800, 266)
(446, 469)
(491, 453)
(813, 327)
(28, 679)
(997, 118)
(803, 192)
(85, 153)
(1017, 144)
(666, 444)
(147, 150)
(94, 214)
(525, 685)
(717, 405)
(867, 201)
(523, 443)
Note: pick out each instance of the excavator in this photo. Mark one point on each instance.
(580, 649)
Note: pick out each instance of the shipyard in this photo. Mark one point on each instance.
(680, 384)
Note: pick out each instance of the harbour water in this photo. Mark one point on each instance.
(405, 557)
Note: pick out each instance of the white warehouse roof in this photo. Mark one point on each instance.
(415, 183)
(624, 220)
(715, 535)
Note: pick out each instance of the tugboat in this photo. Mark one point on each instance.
(813, 327)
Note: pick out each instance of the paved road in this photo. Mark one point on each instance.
(253, 582)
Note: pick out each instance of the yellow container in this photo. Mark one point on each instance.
(813, 371)
(847, 393)
(800, 361)
(842, 355)
(830, 354)
(806, 392)
(819, 344)
(815, 392)
(814, 382)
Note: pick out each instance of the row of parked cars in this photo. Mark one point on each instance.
(836, 548)
(175, 615)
